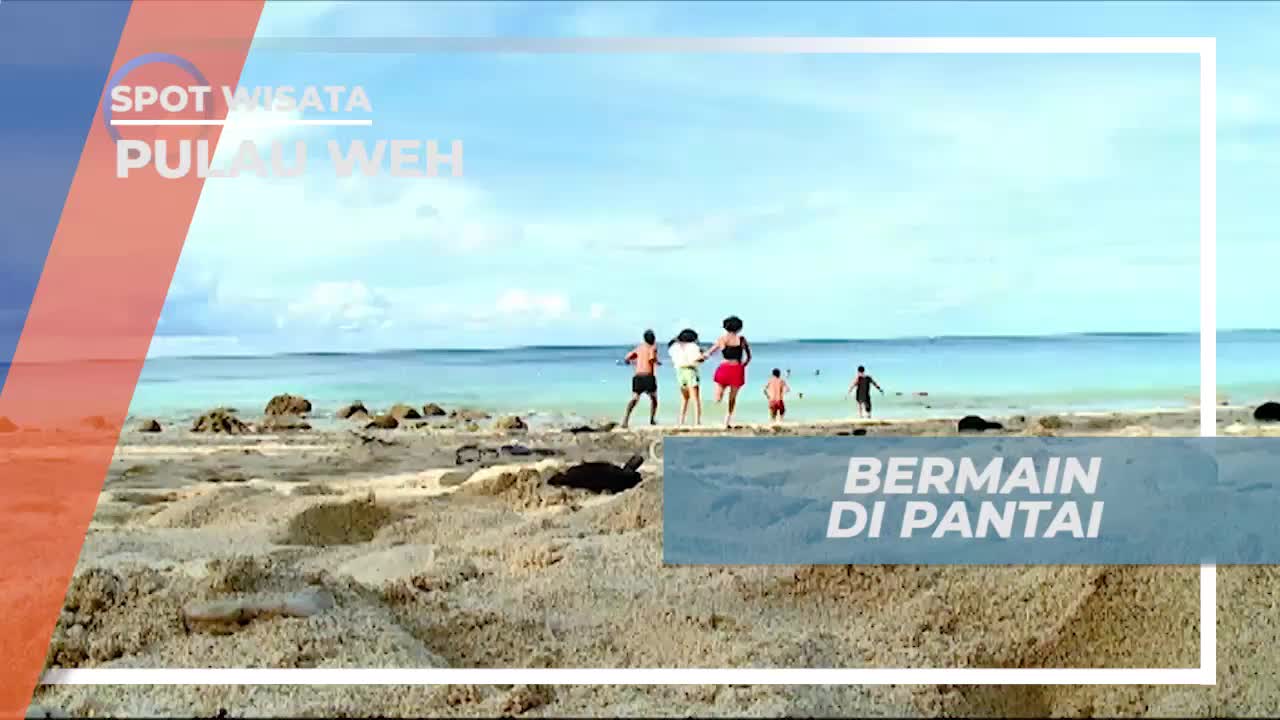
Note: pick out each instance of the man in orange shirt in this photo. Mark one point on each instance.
(645, 381)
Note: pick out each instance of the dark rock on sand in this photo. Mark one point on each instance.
(1050, 422)
(150, 426)
(1267, 412)
(284, 423)
(288, 405)
(383, 422)
(433, 410)
(7, 425)
(973, 423)
(468, 454)
(220, 420)
(352, 411)
(510, 422)
(600, 477)
(603, 428)
(464, 414)
(522, 451)
(403, 412)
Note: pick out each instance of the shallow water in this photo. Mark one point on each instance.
(961, 375)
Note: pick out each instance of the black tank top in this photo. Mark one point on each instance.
(732, 352)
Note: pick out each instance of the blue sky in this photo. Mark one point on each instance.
(815, 196)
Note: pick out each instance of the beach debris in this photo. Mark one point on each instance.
(468, 454)
(602, 428)
(400, 411)
(973, 423)
(150, 426)
(278, 423)
(7, 425)
(510, 422)
(220, 420)
(859, 432)
(600, 477)
(516, 450)
(288, 405)
(920, 394)
(225, 614)
(383, 422)
(433, 410)
(1267, 412)
(464, 414)
(221, 477)
(350, 412)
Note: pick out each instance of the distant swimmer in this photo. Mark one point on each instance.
(645, 382)
(732, 373)
(775, 391)
(862, 384)
(686, 356)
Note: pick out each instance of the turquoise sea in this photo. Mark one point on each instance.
(984, 375)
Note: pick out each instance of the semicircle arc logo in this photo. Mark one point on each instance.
(148, 59)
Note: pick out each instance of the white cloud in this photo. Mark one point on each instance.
(516, 301)
(343, 306)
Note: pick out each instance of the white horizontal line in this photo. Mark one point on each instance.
(805, 45)
(269, 122)
(646, 676)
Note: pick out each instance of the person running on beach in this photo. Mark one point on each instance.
(775, 392)
(862, 384)
(732, 373)
(645, 358)
(686, 356)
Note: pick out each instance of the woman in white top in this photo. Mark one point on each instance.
(685, 357)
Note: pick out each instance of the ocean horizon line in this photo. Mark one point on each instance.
(771, 342)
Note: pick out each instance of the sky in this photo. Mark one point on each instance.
(815, 196)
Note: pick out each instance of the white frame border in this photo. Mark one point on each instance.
(1205, 674)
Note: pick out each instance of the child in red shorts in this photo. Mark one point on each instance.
(775, 392)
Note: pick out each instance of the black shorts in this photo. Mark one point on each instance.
(644, 384)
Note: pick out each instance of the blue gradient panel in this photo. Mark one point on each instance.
(54, 60)
(1153, 501)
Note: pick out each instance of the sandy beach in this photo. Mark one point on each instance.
(352, 547)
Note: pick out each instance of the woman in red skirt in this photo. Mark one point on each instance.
(732, 373)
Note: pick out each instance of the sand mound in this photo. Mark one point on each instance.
(216, 505)
(346, 523)
(110, 614)
(520, 487)
(635, 509)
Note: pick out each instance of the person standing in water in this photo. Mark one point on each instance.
(686, 356)
(732, 373)
(645, 382)
(862, 384)
(775, 391)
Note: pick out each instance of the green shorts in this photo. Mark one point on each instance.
(687, 376)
